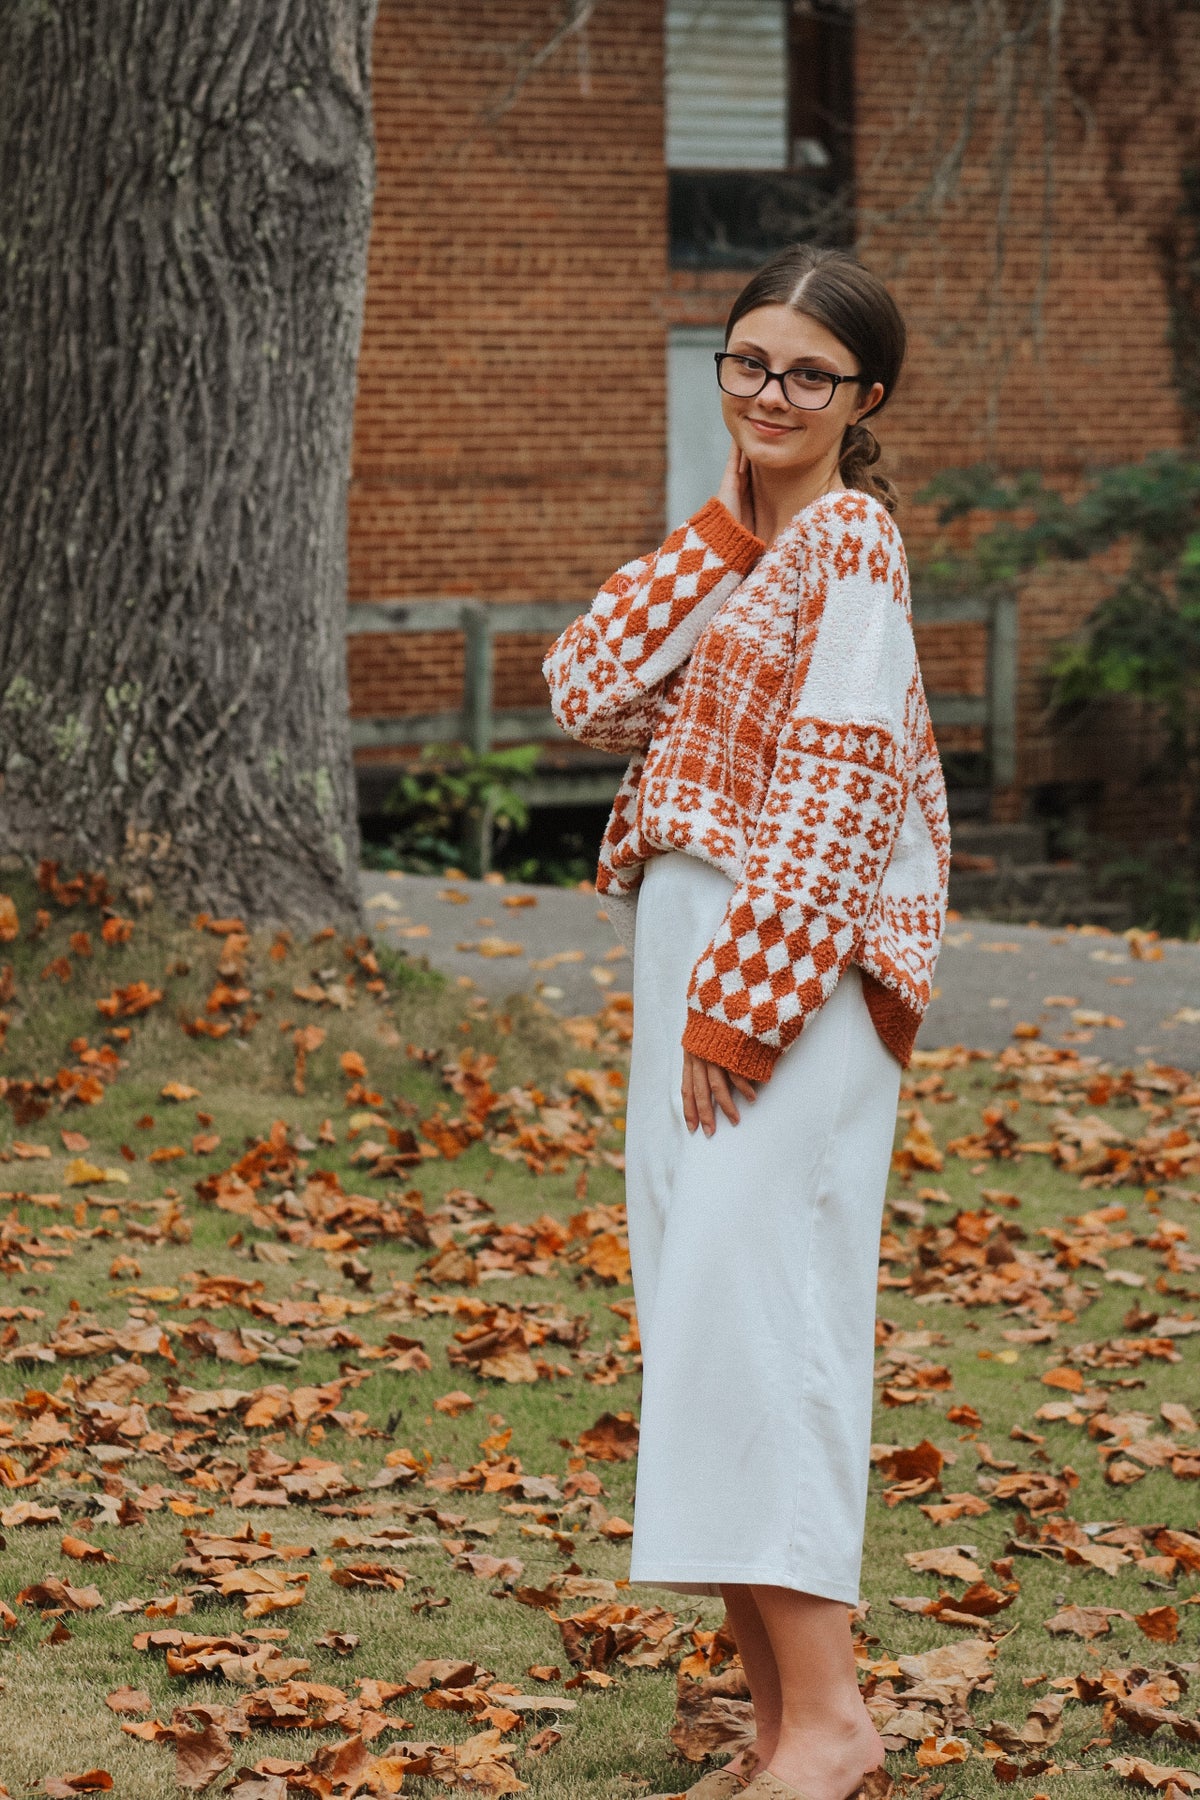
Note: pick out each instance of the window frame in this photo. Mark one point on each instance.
(735, 218)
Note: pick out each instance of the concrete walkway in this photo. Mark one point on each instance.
(1081, 987)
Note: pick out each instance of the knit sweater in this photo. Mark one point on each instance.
(772, 704)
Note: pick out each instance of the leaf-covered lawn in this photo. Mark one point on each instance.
(319, 1389)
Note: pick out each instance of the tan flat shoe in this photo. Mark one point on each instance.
(718, 1784)
(766, 1786)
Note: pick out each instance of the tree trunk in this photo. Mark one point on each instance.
(185, 195)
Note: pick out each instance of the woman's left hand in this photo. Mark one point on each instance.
(736, 492)
(704, 1082)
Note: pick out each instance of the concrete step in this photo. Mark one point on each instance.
(1005, 844)
(1041, 893)
(968, 803)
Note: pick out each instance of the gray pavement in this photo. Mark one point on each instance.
(1082, 987)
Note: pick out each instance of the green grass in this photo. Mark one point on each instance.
(52, 1712)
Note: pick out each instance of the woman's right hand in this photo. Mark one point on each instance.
(736, 492)
(704, 1082)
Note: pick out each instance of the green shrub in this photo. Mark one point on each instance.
(440, 804)
(1141, 641)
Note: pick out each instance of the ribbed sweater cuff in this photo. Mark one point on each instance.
(892, 1017)
(718, 1043)
(895, 1021)
(736, 546)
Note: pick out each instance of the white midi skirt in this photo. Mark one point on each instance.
(755, 1259)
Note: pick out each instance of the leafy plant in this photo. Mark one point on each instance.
(1143, 639)
(441, 803)
(1161, 890)
(554, 871)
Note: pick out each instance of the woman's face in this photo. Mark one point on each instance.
(774, 434)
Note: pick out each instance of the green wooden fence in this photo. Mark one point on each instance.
(479, 723)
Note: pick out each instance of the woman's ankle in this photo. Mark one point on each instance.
(835, 1754)
(754, 1756)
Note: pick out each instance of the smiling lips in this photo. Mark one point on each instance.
(771, 429)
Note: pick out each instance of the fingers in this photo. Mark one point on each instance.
(746, 491)
(697, 1094)
(705, 1082)
(719, 1088)
(744, 1086)
(729, 493)
(691, 1116)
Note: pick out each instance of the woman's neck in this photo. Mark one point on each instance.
(780, 495)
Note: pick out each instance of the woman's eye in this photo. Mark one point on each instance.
(811, 377)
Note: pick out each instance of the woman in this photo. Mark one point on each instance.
(780, 841)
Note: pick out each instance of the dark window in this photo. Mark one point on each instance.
(724, 216)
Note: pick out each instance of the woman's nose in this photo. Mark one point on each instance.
(765, 393)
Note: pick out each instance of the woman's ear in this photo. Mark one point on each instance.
(875, 397)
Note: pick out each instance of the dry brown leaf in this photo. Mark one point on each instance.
(201, 1755)
(252, 1786)
(79, 1550)
(79, 1173)
(543, 1740)
(51, 1592)
(935, 1752)
(613, 1438)
(954, 1562)
(978, 1601)
(1160, 1623)
(948, 1674)
(606, 1087)
(129, 1700)
(1070, 1380)
(376, 1576)
(1141, 1773)
(1084, 1621)
(1184, 1546)
(28, 1512)
(917, 1148)
(454, 1403)
(712, 1715)
(955, 1507)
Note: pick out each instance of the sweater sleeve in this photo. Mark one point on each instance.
(832, 810)
(607, 670)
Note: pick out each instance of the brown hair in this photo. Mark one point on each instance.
(835, 290)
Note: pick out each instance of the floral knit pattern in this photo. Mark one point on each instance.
(779, 731)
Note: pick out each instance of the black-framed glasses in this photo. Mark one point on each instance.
(810, 389)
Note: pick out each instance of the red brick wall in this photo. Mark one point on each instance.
(510, 429)
(1104, 305)
(510, 433)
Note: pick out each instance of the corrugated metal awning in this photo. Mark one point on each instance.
(727, 84)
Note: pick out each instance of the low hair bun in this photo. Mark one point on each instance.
(859, 454)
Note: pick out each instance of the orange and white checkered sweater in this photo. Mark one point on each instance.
(774, 708)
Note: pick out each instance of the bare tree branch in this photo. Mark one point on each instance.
(978, 115)
(574, 20)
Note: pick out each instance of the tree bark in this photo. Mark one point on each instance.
(185, 196)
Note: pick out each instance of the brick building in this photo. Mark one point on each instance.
(556, 244)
